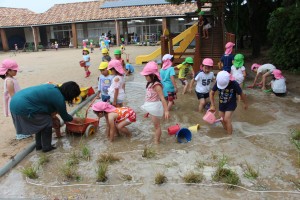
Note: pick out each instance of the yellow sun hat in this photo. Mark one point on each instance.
(103, 65)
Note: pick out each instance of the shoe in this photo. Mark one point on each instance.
(49, 149)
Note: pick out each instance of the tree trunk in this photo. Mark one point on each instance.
(254, 22)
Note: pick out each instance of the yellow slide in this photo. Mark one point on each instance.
(186, 37)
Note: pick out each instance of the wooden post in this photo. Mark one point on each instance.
(117, 24)
(74, 35)
(197, 55)
(4, 40)
(164, 45)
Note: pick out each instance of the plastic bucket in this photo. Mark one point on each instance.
(82, 63)
(184, 135)
(209, 117)
(195, 128)
(172, 130)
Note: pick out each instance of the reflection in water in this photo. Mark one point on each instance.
(260, 137)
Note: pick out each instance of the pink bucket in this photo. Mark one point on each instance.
(172, 130)
(210, 117)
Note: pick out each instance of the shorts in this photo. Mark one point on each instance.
(227, 107)
(207, 26)
(105, 98)
(171, 96)
(183, 81)
(202, 95)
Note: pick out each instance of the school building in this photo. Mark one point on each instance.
(71, 23)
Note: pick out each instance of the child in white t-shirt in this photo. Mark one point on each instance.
(238, 70)
(263, 70)
(203, 79)
(278, 84)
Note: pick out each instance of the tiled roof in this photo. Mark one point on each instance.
(14, 11)
(91, 11)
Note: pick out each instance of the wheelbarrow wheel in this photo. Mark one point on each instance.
(90, 130)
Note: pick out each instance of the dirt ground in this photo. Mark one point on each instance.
(62, 65)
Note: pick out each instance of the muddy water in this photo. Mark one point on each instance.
(261, 138)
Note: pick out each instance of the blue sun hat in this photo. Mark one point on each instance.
(184, 135)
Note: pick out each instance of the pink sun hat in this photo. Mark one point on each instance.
(151, 68)
(103, 106)
(8, 64)
(254, 66)
(277, 74)
(208, 62)
(117, 65)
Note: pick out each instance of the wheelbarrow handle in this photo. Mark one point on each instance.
(86, 112)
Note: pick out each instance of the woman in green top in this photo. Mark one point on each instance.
(32, 109)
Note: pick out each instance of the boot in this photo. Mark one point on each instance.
(38, 141)
(47, 139)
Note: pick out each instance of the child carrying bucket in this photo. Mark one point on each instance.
(86, 59)
(155, 103)
(227, 98)
(116, 90)
(203, 79)
(116, 118)
(105, 80)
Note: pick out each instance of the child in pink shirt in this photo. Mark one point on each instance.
(155, 103)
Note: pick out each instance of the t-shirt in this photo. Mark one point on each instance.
(265, 68)
(227, 62)
(237, 73)
(104, 83)
(228, 94)
(117, 85)
(106, 58)
(86, 58)
(184, 69)
(151, 94)
(278, 85)
(165, 75)
(204, 81)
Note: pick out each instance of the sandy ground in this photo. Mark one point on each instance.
(50, 65)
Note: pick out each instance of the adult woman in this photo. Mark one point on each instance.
(32, 109)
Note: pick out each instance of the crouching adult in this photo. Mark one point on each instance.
(32, 109)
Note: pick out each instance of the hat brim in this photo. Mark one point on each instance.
(222, 86)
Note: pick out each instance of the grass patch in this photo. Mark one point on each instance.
(296, 134)
(73, 159)
(148, 152)
(126, 177)
(192, 177)
(249, 172)
(30, 172)
(108, 158)
(101, 172)
(160, 178)
(85, 152)
(43, 159)
(70, 172)
(226, 176)
(200, 164)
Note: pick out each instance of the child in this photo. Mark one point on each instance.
(184, 69)
(129, 69)
(86, 59)
(8, 70)
(227, 98)
(167, 74)
(238, 70)
(105, 55)
(56, 45)
(227, 58)
(278, 84)
(155, 102)
(122, 48)
(91, 46)
(118, 56)
(206, 25)
(16, 48)
(102, 45)
(116, 90)
(204, 79)
(116, 118)
(105, 81)
(263, 70)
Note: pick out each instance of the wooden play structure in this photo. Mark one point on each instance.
(213, 47)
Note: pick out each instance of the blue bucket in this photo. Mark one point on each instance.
(184, 135)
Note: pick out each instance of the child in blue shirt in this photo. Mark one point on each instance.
(104, 82)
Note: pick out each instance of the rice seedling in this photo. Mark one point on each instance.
(69, 172)
(85, 152)
(192, 177)
(43, 159)
(108, 158)
(101, 172)
(249, 172)
(148, 152)
(296, 134)
(223, 161)
(73, 159)
(225, 175)
(30, 172)
(200, 164)
(160, 178)
(126, 177)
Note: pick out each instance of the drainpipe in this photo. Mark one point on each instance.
(21, 155)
